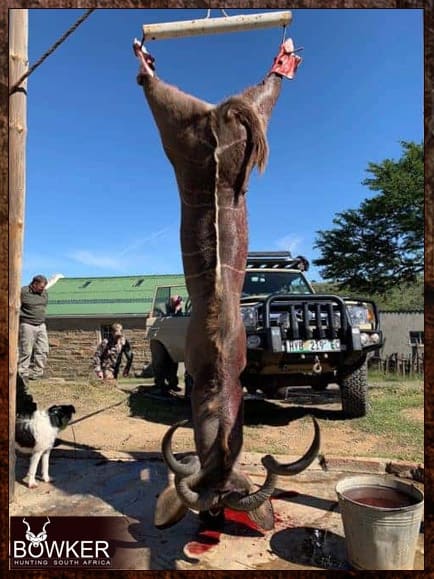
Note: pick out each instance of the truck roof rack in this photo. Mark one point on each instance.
(276, 260)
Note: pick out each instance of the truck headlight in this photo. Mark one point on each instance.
(359, 315)
(250, 317)
(375, 338)
(369, 339)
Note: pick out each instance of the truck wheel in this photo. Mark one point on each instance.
(163, 367)
(354, 392)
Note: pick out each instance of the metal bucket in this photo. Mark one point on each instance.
(381, 518)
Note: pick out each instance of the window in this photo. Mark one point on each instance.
(162, 298)
(138, 283)
(417, 347)
(105, 331)
(416, 338)
(271, 282)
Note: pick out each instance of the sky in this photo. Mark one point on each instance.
(101, 197)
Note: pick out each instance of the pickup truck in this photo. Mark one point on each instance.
(295, 337)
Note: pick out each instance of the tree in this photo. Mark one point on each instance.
(410, 296)
(380, 244)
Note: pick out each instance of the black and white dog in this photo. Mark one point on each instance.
(36, 430)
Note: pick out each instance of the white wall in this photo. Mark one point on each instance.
(396, 328)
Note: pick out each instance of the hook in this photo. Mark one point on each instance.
(317, 368)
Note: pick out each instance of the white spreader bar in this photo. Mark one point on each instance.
(215, 25)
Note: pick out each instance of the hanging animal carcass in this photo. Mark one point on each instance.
(213, 150)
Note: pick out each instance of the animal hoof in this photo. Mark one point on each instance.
(32, 484)
(147, 66)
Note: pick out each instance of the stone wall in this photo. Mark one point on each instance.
(73, 343)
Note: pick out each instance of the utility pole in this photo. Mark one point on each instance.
(18, 64)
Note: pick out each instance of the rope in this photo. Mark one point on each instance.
(51, 50)
(208, 12)
(75, 443)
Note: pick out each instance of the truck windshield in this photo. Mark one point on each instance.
(271, 282)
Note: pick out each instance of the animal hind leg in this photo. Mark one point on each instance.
(265, 94)
(146, 61)
(172, 108)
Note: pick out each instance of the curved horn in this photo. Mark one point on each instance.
(187, 474)
(185, 467)
(27, 524)
(250, 502)
(240, 502)
(193, 499)
(292, 468)
(47, 523)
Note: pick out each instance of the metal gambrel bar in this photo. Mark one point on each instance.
(215, 25)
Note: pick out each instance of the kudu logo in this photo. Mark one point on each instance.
(69, 542)
(36, 539)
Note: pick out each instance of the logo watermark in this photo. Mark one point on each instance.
(78, 542)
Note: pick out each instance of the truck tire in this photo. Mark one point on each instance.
(163, 367)
(354, 392)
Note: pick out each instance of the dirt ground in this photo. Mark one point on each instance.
(108, 463)
(131, 416)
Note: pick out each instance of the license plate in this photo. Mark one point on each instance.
(313, 345)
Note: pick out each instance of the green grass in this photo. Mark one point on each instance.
(376, 376)
(402, 436)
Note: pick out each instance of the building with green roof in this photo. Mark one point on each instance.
(81, 310)
(105, 297)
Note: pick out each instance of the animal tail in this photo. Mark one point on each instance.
(257, 147)
(215, 319)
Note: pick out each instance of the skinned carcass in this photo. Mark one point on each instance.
(213, 150)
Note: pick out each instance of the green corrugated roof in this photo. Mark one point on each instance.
(94, 296)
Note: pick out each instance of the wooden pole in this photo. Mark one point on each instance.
(18, 63)
(203, 26)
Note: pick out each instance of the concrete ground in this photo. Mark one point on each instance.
(308, 531)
